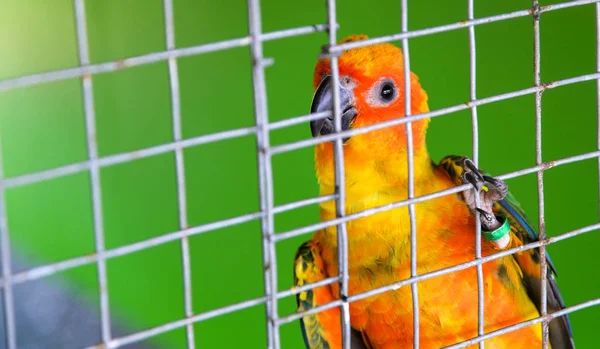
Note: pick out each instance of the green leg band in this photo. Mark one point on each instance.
(499, 232)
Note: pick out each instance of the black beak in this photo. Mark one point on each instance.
(323, 101)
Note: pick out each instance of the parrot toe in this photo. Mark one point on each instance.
(469, 167)
(498, 189)
(490, 190)
(469, 177)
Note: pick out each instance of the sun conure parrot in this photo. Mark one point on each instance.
(372, 91)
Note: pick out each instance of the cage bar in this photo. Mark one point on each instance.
(298, 120)
(535, 13)
(10, 331)
(475, 158)
(179, 169)
(340, 183)
(265, 175)
(411, 175)
(90, 126)
(598, 91)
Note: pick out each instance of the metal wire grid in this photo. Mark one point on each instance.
(265, 152)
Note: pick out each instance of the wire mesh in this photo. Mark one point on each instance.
(265, 152)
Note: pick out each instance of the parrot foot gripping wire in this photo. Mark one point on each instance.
(495, 228)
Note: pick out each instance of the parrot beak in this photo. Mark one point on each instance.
(323, 101)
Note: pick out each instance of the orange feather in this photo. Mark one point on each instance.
(379, 245)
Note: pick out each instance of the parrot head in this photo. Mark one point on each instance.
(371, 90)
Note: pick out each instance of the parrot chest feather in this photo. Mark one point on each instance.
(379, 255)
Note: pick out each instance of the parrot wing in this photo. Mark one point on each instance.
(321, 330)
(561, 336)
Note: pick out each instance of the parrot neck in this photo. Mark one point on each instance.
(371, 238)
(374, 182)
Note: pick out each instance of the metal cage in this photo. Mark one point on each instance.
(267, 211)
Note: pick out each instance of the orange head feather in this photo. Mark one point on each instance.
(380, 155)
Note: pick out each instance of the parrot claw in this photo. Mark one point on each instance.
(490, 190)
(469, 177)
(487, 219)
(469, 167)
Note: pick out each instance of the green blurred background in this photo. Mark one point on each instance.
(42, 127)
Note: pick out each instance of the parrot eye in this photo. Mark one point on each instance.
(388, 91)
(383, 93)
